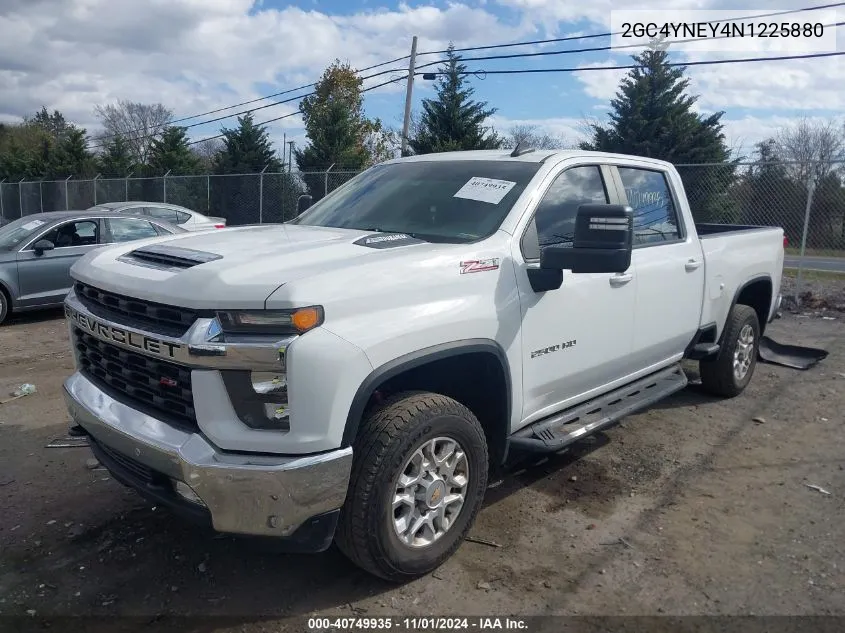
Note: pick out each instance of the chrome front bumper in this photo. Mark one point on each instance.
(243, 494)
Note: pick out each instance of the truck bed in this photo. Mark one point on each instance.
(706, 230)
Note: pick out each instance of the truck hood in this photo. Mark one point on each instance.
(236, 268)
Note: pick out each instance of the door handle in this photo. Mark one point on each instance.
(692, 265)
(620, 279)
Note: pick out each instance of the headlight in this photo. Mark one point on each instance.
(296, 321)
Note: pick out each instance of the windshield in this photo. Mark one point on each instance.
(439, 200)
(18, 231)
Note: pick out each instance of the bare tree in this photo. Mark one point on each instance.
(812, 147)
(138, 123)
(206, 151)
(532, 136)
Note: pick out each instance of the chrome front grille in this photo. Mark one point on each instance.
(145, 315)
(157, 387)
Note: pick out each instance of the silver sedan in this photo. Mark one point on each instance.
(37, 251)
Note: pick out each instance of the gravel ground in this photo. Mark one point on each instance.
(698, 506)
(817, 294)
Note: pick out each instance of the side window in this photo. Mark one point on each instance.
(555, 215)
(128, 229)
(182, 217)
(161, 230)
(79, 233)
(655, 216)
(133, 210)
(160, 213)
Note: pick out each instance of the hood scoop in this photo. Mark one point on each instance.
(164, 256)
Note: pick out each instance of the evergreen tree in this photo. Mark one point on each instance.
(246, 149)
(70, 157)
(453, 121)
(172, 153)
(116, 158)
(652, 116)
(55, 125)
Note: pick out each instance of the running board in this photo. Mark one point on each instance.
(561, 430)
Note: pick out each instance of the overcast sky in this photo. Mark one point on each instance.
(199, 55)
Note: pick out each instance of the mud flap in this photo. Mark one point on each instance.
(793, 356)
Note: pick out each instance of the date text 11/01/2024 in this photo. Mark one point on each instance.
(416, 624)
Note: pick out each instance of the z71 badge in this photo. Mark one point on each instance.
(553, 348)
(479, 265)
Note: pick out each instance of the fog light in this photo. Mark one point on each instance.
(269, 382)
(187, 493)
(276, 411)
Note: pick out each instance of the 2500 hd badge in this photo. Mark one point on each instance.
(119, 336)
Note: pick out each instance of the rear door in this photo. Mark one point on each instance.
(45, 278)
(668, 265)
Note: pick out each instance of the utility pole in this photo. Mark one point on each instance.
(290, 156)
(408, 94)
(284, 145)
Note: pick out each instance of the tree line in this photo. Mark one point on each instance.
(653, 114)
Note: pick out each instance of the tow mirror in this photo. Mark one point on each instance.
(43, 245)
(602, 243)
(303, 202)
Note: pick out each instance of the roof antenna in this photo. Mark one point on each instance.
(519, 151)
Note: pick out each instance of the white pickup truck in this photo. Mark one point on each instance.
(354, 374)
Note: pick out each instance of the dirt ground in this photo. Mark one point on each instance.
(698, 506)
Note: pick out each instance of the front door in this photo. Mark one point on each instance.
(575, 339)
(44, 278)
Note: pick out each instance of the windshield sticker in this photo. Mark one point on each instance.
(29, 226)
(485, 189)
(479, 265)
(387, 240)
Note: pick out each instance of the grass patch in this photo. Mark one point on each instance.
(816, 252)
(814, 275)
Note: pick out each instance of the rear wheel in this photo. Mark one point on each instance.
(418, 480)
(4, 305)
(729, 374)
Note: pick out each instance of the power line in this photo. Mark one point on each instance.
(573, 38)
(104, 140)
(589, 50)
(261, 107)
(283, 92)
(285, 116)
(631, 67)
(576, 69)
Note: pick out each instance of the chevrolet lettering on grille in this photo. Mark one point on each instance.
(122, 337)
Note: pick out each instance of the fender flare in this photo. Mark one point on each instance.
(416, 359)
(763, 323)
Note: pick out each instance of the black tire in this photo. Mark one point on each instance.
(717, 375)
(5, 305)
(388, 437)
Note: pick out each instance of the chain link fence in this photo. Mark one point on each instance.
(240, 198)
(806, 199)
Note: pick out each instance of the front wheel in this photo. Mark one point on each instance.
(729, 374)
(418, 479)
